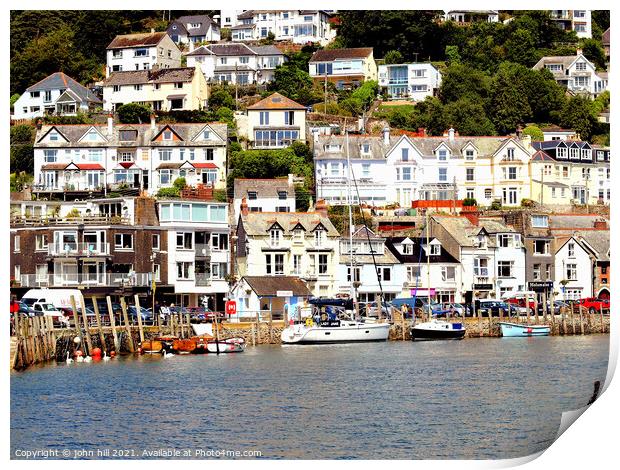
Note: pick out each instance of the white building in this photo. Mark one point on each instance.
(142, 51)
(300, 244)
(573, 269)
(198, 250)
(194, 29)
(579, 21)
(576, 73)
(410, 81)
(298, 26)
(228, 18)
(372, 264)
(56, 94)
(236, 63)
(557, 133)
(103, 158)
(472, 16)
(265, 195)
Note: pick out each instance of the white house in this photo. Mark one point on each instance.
(557, 133)
(297, 26)
(196, 28)
(265, 195)
(574, 267)
(56, 94)
(410, 81)
(372, 264)
(427, 269)
(345, 68)
(300, 244)
(142, 51)
(274, 122)
(198, 250)
(472, 16)
(228, 18)
(579, 21)
(236, 63)
(140, 156)
(576, 73)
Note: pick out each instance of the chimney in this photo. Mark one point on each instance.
(472, 215)
(519, 132)
(39, 124)
(153, 126)
(600, 224)
(110, 123)
(386, 135)
(152, 30)
(321, 207)
(315, 135)
(244, 207)
(451, 134)
(579, 51)
(291, 176)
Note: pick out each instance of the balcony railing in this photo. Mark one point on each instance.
(44, 220)
(86, 280)
(78, 249)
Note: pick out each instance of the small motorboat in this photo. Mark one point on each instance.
(184, 346)
(230, 345)
(152, 347)
(515, 330)
(437, 330)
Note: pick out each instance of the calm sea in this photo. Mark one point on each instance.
(471, 399)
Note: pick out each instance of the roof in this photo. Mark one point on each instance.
(60, 80)
(328, 55)
(259, 223)
(265, 188)
(416, 257)
(268, 286)
(597, 239)
(145, 135)
(573, 221)
(555, 129)
(230, 49)
(495, 225)
(541, 156)
(244, 26)
(136, 40)
(605, 39)
(463, 231)
(204, 20)
(276, 101)
(80, 166)
(266, 50)
(137, 77)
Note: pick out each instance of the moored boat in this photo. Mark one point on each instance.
(342, 331)
(515, 330)
(231, 345)
(184, 346)
(437, 330)
(151, 347)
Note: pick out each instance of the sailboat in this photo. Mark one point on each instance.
(331, 323)
(434, 329)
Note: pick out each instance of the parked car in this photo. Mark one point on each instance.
(593, 305)
(48, 310)
(492, 308)
(557, 305)
(458, 309)
(132, 312)
(523, 303)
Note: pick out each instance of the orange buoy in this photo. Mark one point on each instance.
(139, 351)
(79, 353)
(96, 352)
(112, 353)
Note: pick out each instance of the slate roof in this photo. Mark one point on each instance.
(244, 26)
(140, 77)
(417, 257)
(329, 55)
(461, 229)
(268, 286)
(541, 156)
(60, 80)
(265, 188)
(259, 223)
(74, 132)
(276, 101)
(493, 226)
(136, 40)
(572, 221)
(230, 49)
(204, 20)
(597, 239)
(266, 50)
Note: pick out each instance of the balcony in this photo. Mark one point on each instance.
(202, 279)
(78, 249)
(86, 280)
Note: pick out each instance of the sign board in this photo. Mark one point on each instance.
(423, 292)
(284, 293)
(231, 307)
(483, 286)
(540, 285)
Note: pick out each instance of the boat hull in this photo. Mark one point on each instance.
(302, 334)
(514, 330)
(152, 347)
(232, 345)
(431, 331)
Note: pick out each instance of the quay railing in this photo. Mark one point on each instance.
(79, 249)
(86, 280)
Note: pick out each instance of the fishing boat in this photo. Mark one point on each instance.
(437, 329)
(515, 330)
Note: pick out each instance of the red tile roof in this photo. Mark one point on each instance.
(89, 166)
(204, 165)
(276, 101)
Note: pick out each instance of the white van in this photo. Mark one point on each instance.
(39, 300)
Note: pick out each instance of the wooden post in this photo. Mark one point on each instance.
(402, 322)
(52, 335)
(563, 314)
(253, 335)
(257, 328)
(581, 319)
(99, 328)
(189, 326)
(139, 316)
(544, 307)
(285, 316)
(527, 310)
(271, 327)
(572, 318)
(89, 341)
(35, 339)
(117, 349)
(602, 323)
(480, 322)
(76, 319)
(131, 346)
(380, 306)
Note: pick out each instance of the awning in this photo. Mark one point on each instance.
(422, 292)
(126, 164)
(176, 97)
(205, 165)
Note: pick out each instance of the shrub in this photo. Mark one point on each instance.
(527, 203)
(534, 132)
(168, 192)
(219, 195)
(134, 113)
(469, 202)
(496, 205)
(179, 183)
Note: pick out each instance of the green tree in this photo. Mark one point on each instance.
(221, 96)
(294, 82)
(579, 114)
(453, 57)
(468, 118)
(460, 81)
(521, 48)
(134, 113)
(534, 132)
(14, 98)
(594, 52)
(393, 57)
(509, 105)
(22, 134)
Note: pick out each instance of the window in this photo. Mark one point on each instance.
(536, 272)
(289, 118)
(165, 176)
(167, 135)
(366, 170)
(41, 272)
(296, 265)
(541, 247)
(275, 237)
(282, 195)
(49, 156)
(505, 240)
(443, 174)
(137, 87)
(435, 249)
(413, 273)
(123, 241)
(571, 271)
(178, 85)
(488, 193)
(185, 241)
(116, 88)
(17, 272)
(540, 221)
(469, 174)
(510, 154)
(469, 193)
(41, 242)
(128, 135)
(448, 273)
(504, 268)
(405, 154)
(580, 66)
(319, 237)
(356, 274)
(156, 272)
(155, 241)
(48, 96)
(278, 263)
(469, 154)
(185, 270)
(165, 155)
(571, 250)
(442, 155)
(322, 264)
(16, 243)
(406, 173)
(264, 118)
(512, 173)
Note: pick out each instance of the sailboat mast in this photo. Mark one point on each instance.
(350, 203)
(428, 268)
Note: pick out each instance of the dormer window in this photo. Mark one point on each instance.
(92, 135)
(580, 66)
(408, 249)
(275, 237)
(127, 136)
(298, 234)
(332, 148)
(469, 154)
(435, 249)
(252, 195)
(442, 155)
(365, 148)
(482, 241)
(561, 153)
(53, 137)
(206, 135)
(319, 237)
(510, 154)
(282, 195)
(167, 135)
(405, 154)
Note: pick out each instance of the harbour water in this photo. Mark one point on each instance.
(485, 398)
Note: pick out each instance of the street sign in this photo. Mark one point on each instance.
(284, 293)
(231, 307)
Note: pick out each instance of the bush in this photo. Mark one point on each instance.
(14, 98)
(179, 183)
(469, 202)
(22, 134)
(527, 203)
(221, 97)
(393, 57)
(496, 205)
(534, 132)
(219, 195)
(79, 118)
(134, 113)
(168, 192)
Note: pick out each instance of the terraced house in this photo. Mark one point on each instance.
(94, 159)
(141, 51)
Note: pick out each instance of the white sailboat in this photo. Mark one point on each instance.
(343, 329)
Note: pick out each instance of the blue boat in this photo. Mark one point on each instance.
(515, 330)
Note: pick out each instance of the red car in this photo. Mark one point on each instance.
(594, 305)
